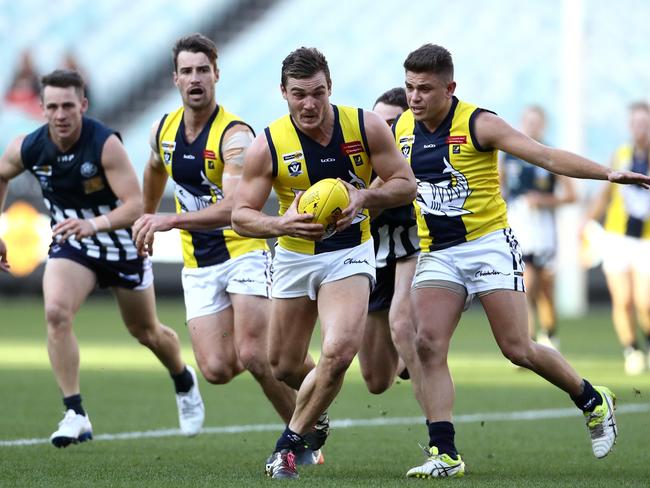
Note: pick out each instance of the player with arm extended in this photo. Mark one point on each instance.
(467, 247)
(93, 196)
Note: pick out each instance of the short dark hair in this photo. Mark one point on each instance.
(640, 105)
(303, 63)
(394, 96)
(430, 58)
(195, 43)
(64, 78)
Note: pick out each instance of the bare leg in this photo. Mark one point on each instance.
(642, 299)
(437, 312)
(342, 326)
(620, 289)
(213, 342)
(507, 313)
(292, 324)
(66, 285)
(532, 280)
(378, 357)
(251, 328)
(138, 309)
(546, 302)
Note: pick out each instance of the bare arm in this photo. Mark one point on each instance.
(123, 181)
(253, 191)
(492, 131)
(11, 165)
(398, 187)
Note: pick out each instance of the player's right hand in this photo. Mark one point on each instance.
(144, 229)
(4, 264)
(296, 224)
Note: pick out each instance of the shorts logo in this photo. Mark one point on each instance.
(88, 169)
(295, 168)
(356, 261)
(489, 272)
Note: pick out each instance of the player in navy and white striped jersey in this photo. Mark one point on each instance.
(390, 330)
(93, 196)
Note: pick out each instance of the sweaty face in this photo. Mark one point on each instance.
(308, 100)
(63, 109)
(388, 112)
(533, 124)
(640, 127)
(428, 95)
(195, 78)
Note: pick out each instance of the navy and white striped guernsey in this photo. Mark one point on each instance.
(74, 186)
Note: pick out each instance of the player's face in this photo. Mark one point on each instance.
(195, 78)
(428, 95)
(63, 108)
(388, 112)
(533, 124)
(640, 127)
(308, 100)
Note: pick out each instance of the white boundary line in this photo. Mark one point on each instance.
(349, 423)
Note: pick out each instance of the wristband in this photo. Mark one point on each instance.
(93, 224)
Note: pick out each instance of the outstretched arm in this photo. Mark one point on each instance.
(252, 192)
(11, 165)
(494, 132)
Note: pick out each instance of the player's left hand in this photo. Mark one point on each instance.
(351, 211)
(629, 178)
(77, 228)
(144, 229)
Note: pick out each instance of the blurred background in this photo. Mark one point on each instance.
(584, 61)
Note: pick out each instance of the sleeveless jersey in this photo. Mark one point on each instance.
(74, 186)
(197, 171)
(458, 196)
(628, 212)
(299, 162)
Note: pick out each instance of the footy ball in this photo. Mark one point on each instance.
(325, 199)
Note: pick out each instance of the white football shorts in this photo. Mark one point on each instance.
(207, 289)
(623, 253)
(296, 274)
(491, 262)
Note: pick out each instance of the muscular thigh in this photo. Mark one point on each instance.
(137, 307)
(67, 284)
(342, 309)
(251, 316)
(290, 329)
(212, 336)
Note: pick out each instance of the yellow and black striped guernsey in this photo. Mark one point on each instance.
(299, 162)
(197, 170)
(458, 196)
(628, 212)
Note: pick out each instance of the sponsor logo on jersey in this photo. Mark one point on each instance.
(208, 154)
(327, 160)
(406, 139)
(429, 146)
(455, 149)
(88, 169)
(358, 160)
(291, 156)
(188, 156)
(45, 170)
(93, 184)
(456, 140)
(354, 147)
(65, 158)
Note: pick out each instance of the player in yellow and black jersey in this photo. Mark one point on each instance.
(626, 259)
(467, 247)
(314, 277)
(226, 277)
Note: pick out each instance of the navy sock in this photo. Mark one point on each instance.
(588, 399)
(73, 402)
(183, 381)
(441, 435)
(289, 440)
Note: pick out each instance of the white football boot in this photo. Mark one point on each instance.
(191, 411)
(74, 428)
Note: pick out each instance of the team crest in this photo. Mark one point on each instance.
(88, 169)
(168, 148)
(295, 168)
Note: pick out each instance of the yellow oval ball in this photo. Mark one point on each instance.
(326, 200)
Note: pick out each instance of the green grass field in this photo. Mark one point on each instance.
(126, 390)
